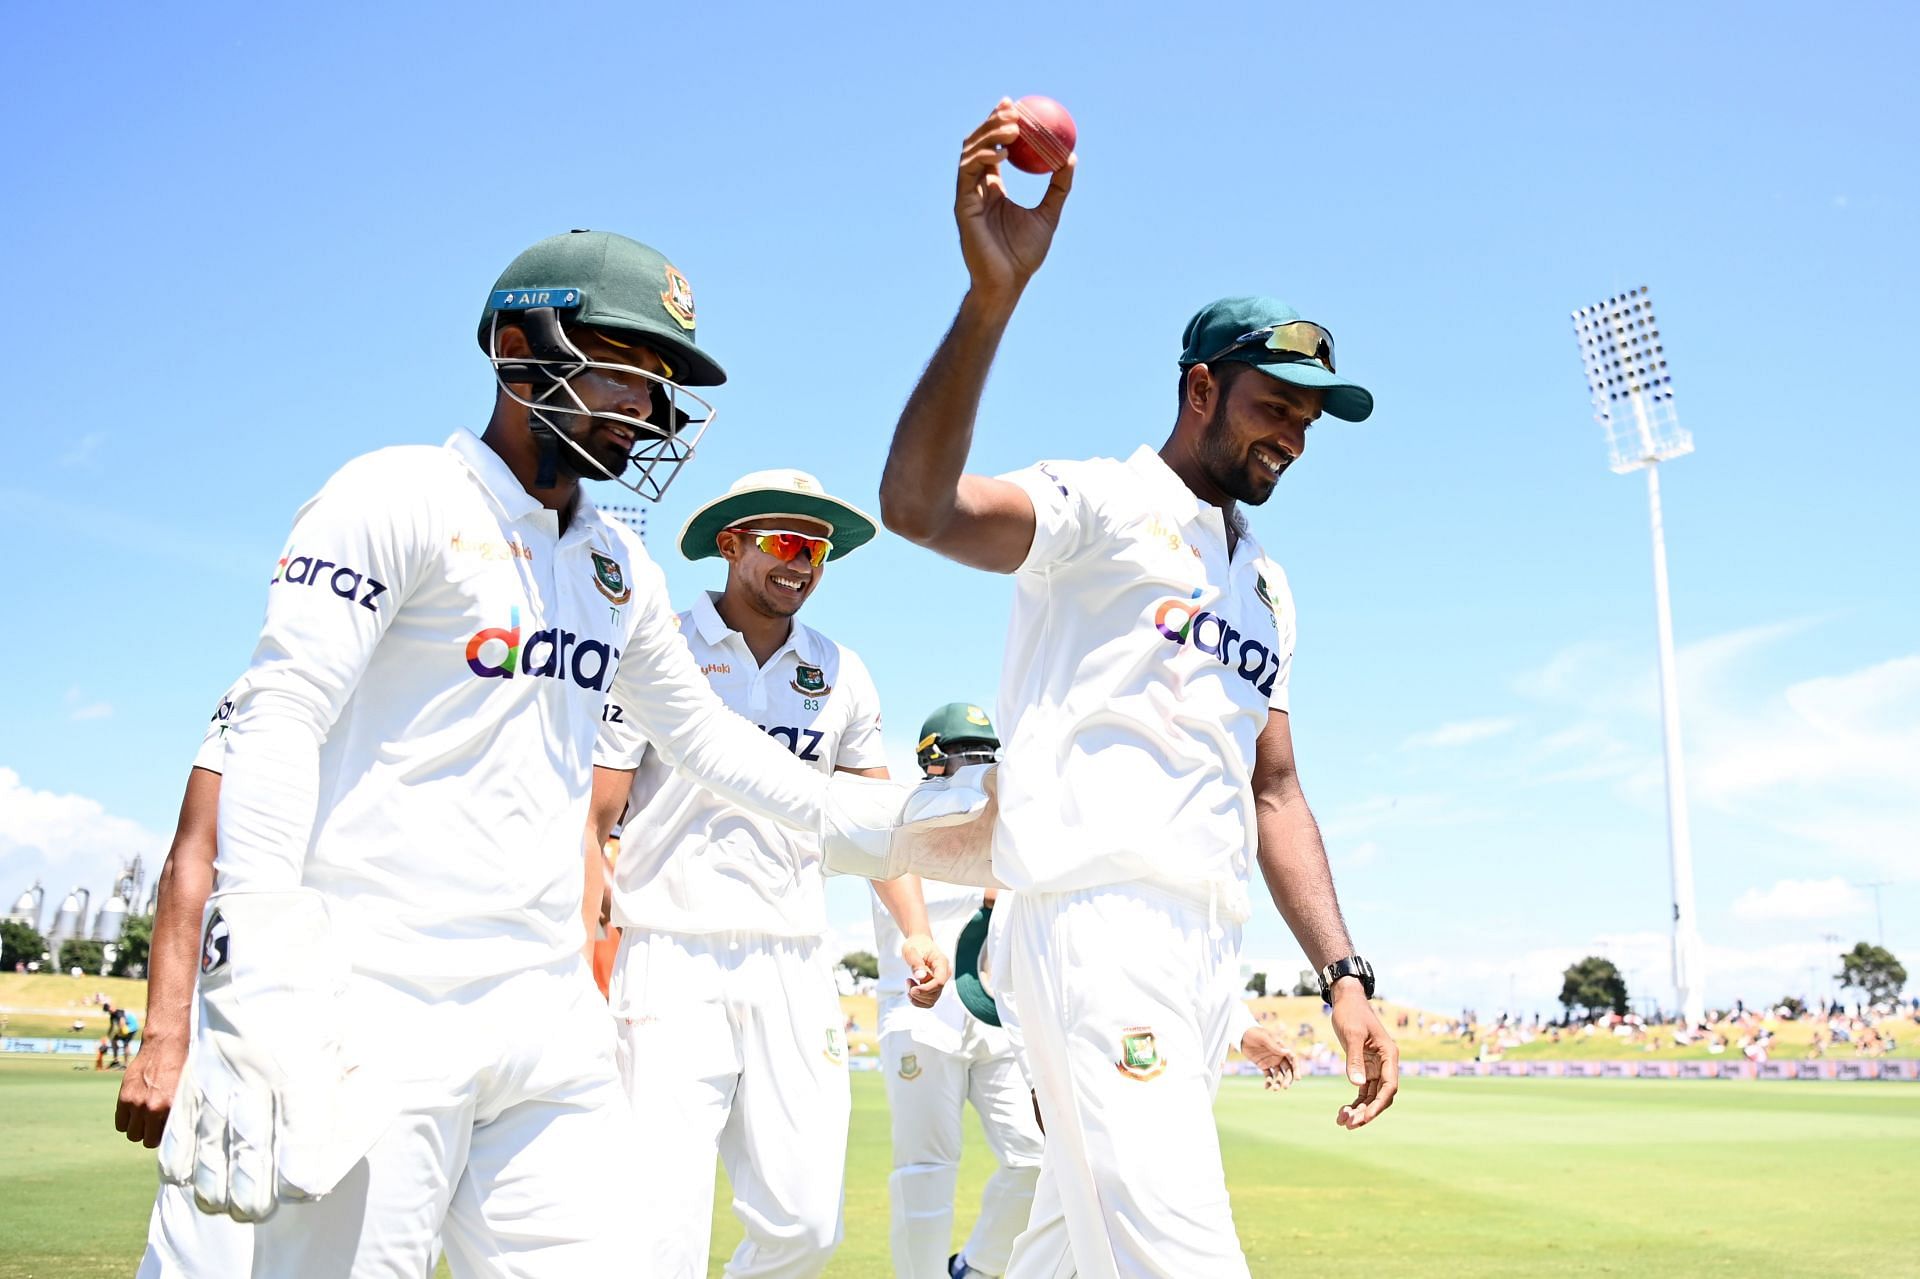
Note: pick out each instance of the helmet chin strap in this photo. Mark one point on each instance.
(547, 346)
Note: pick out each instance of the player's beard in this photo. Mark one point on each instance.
(609, 458)
(1230, 469)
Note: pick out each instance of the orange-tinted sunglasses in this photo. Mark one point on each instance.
(784, 546)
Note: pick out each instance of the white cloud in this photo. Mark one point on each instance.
(1460, 733)
(82, 451)
(1830, 762)
(1529, 978)
(1362, 854)
(79, 707)
(1800, 900)
(66, 841)
(1833, 760)
(1411, 811)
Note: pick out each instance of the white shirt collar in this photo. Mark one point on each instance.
(494, 476)
(500, 484)
(1165, 485)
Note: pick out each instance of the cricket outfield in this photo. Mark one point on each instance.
(1463, 1176)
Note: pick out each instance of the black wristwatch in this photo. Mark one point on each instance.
(1351, 966)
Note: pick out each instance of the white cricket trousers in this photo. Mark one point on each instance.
(1120, 999)
(183, 1241)
(927, 1092)
(512, 1112)
(731, 1044)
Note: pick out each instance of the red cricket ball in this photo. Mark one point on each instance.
(1047, 135)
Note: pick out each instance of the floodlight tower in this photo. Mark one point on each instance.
(1633, 402)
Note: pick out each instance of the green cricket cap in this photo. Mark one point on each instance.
(609, 282)
(957, 722)
(1215, 334)
(768, 495)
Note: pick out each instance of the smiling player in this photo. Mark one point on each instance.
(723, 990)
(1149, 759)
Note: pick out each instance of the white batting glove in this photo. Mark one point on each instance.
(268, 1108)
(941, 829)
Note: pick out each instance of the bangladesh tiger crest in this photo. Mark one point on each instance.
(810, 681)
(1139, 1055)
(677, 297)
(213, 945)
(608, 576)
(910, 1066)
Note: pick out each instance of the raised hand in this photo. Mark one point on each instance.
(1003, 242)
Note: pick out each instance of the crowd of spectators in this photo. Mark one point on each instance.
(1754, 1033)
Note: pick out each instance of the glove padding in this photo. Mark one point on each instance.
(941, 829)
(269, 1108)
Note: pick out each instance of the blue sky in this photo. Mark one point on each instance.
(246, 245)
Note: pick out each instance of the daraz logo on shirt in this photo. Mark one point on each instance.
(497, 653)
(1179, 621)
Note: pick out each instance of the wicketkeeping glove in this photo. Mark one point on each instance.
(269, 1107)
(941, 829)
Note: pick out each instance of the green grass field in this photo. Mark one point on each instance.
(1470, 1176)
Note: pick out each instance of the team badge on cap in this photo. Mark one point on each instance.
(910, 1066)
(677, 297)
(608, 577)
(1139, 1056)
(810, 681)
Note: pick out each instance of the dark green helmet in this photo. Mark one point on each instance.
(958, 728)
(609, 282)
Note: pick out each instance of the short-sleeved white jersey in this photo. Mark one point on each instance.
(949, 907)
(212, 754)
(1141, 664)
(415, 734)
(690, 861)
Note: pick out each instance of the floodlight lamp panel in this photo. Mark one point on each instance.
(1628, 380)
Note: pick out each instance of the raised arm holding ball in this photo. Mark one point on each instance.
(1148, 763)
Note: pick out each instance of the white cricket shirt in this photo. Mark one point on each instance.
(690, 861)
(212, 754)
(1140, 667)
(949, 907)
(415, 736)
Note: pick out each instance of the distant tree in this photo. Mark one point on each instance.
(1593, 985)
(1873, 971)
(135, 941)
(20, 944)
(84, 953)
(861, 963)
(1308, 984)
(1795, 1006)
(1258, 985)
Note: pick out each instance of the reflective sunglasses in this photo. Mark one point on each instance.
(1299, 339)
(784, 546)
